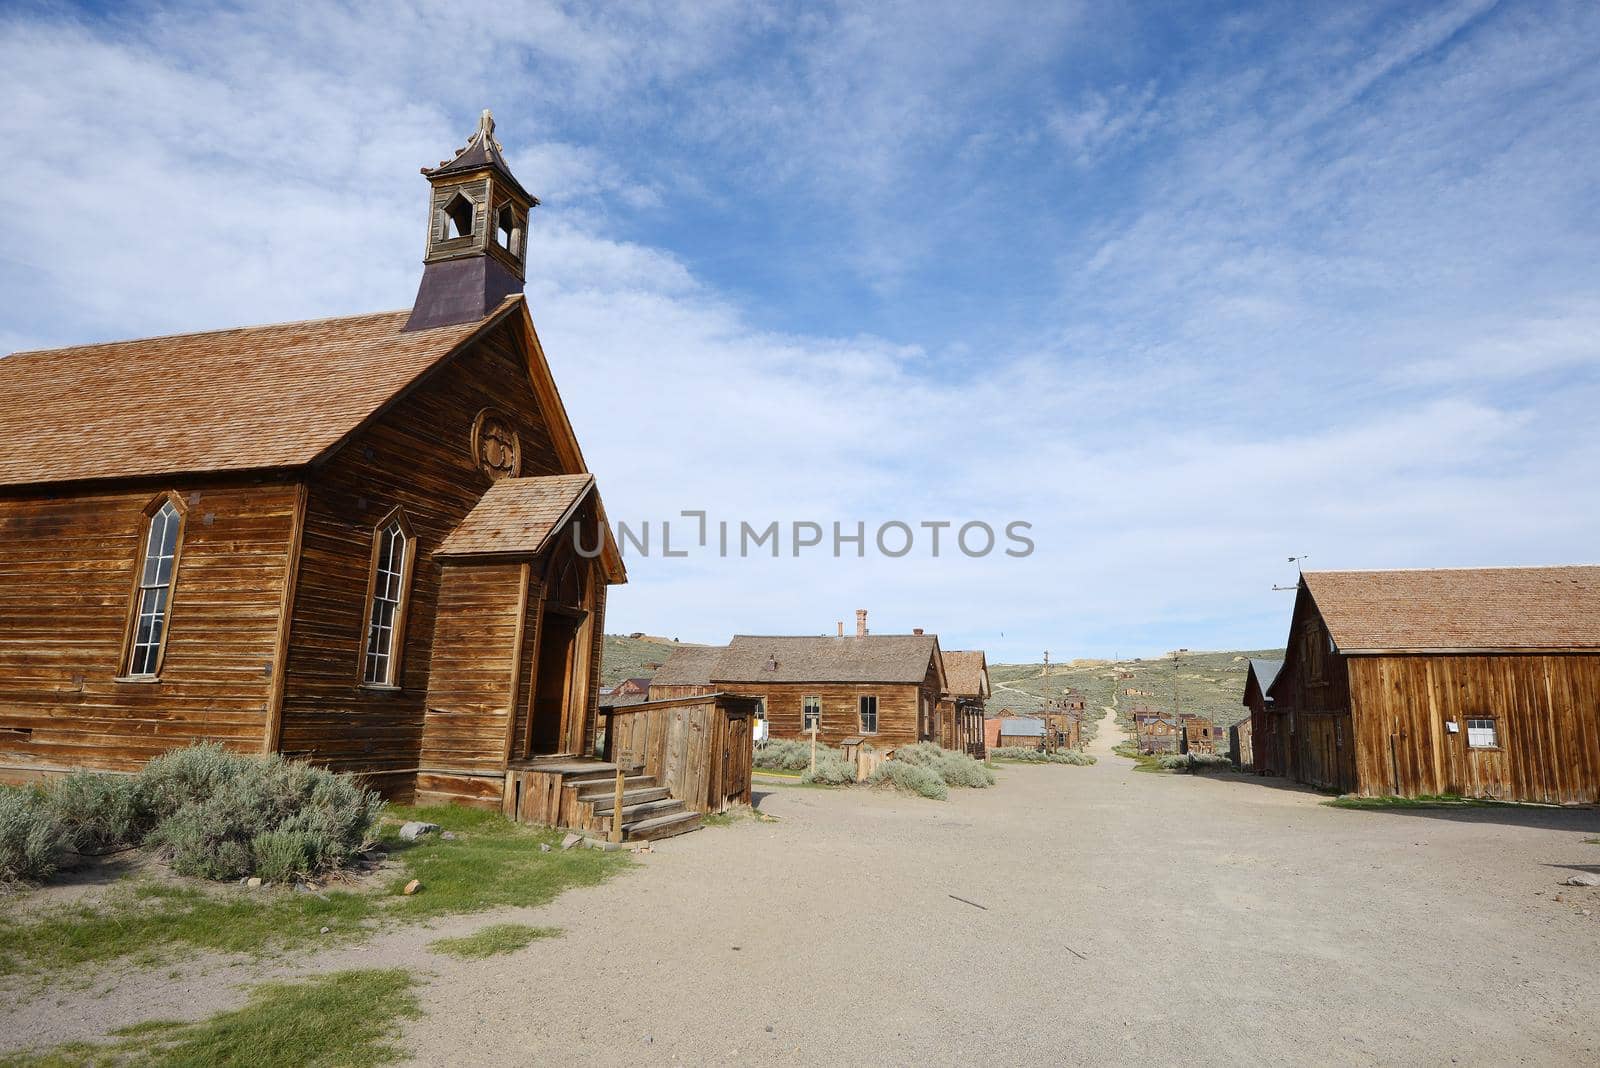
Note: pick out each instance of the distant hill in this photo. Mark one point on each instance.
(633, 656)
(1210, 683)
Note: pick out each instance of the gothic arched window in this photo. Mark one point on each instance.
(152, 597)
(388, 596)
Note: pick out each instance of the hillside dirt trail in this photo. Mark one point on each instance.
(1106, 738)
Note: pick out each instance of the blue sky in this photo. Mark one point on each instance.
(1191, 289)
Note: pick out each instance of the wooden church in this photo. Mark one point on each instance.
(371, 542)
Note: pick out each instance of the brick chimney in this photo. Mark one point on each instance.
(917, 631)
(861, 622)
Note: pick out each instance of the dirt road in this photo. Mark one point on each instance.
(1072, 915)
(1115, 916)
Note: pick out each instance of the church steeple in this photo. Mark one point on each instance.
(477, 234)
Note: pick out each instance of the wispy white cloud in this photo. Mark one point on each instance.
(1323, 291)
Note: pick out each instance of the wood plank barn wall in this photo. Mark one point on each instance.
(417, 455)
(1547, 714)
(65, 595)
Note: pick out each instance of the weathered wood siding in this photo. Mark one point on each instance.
(1546, 710)
(65, 592)
(475, 679)
(700, 750)
(897, 709)
(417, 456)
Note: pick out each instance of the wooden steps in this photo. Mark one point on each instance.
(649, 810)
(681, 822)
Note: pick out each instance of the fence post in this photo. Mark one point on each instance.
(616, 807)
(813, 749)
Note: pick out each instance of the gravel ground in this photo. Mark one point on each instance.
(1109, 916)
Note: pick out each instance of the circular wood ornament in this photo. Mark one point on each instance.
(495, 445)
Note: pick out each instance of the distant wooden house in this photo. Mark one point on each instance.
(1156, 732)
(1199, 734)
(1260, 744)
(1074, 701)
(991, 731)
(959, 714)
(1062, 729)
(1480, 682)
(882, 687)
(1021, 732)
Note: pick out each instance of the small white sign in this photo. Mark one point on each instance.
(1452, 726)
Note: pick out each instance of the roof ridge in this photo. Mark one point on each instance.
(1455, 567)
(285, 324)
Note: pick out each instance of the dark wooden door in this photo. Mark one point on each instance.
(552, 687)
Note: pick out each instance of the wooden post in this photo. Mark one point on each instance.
(616, 808)
(813, 749)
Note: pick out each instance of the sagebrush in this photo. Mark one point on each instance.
(833, 769)
(31, 838)
(913, 778)
(953, 768)
(210, 812)
(782, 754)
(1039, 756)
(1195, 762)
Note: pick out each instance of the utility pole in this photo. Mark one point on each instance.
(1047, 663)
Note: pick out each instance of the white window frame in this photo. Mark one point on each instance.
(388, 601)
(155, 579)
(810, 712)
(1475, 733)
(861, 712)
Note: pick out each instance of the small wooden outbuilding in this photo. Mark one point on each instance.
(1260, 744)
(1481, 682)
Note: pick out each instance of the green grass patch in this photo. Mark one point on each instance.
(150, 922)
(1150, 762)
(493, 940)
(781, 773)
(346, 1019)
(492, 863)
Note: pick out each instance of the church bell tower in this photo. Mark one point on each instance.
(477, 234)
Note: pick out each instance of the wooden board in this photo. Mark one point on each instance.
(65, 596)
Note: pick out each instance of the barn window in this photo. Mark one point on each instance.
(1312, 644)
(811, 713)
(388, 586)
(868, 705)
(1481, 734)
(152, 601)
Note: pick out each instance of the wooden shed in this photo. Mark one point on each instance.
(1259, 743)
(371, 542)
(1022, 732)
(1481, 682)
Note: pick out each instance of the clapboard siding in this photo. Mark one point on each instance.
(417, 456)
(65, 593)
